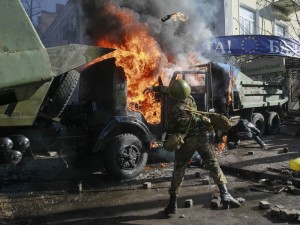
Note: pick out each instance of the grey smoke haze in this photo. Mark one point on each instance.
(174, 37)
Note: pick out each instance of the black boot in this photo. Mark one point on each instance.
(172, 207)
(227, 200)
(260, 142)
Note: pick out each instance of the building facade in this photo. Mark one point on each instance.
(257, 18)
(66, 27)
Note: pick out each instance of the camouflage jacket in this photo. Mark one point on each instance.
(178, 120)
(181, 121)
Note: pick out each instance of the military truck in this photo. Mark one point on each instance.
(36, 86)
(222, 88)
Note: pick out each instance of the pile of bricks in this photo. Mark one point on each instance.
(280, 211)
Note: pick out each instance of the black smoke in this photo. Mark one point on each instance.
(174, 38)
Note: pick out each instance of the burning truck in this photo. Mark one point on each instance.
(35, 109)
(222, 88)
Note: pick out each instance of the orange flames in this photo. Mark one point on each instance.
(230, 86)
(179, 16)
(222, 145)
(139, 55)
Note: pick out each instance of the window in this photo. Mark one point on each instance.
(247, 21)
(280, 30)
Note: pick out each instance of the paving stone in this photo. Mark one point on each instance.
(280, 206)
(275, 211)
(264, 205)
(205, 181)
(289, 182)
(285, 150)
(188, 203)
(215, 195)
(197, 174)
(288, 215)
(147, 185)
(215, 203)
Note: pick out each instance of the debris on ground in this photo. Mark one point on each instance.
(188, 203)
(215, 201)
(264, 205)
(285, 214)
(147, 185)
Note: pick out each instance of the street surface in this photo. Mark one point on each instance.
(81, 197)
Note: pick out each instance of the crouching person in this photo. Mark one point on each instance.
(244, 130)
(186, 134)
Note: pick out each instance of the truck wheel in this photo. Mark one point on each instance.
(125, 157)
(259, 121)
(273, 124)
(62, 92)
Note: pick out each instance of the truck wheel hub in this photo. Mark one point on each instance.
(129, 157)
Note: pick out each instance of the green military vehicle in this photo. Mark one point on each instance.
(36, 86)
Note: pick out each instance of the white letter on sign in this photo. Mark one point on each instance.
(274, 48)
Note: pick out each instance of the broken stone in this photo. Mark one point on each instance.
(288, 215)
(215, 200)
(285, 150)
(280, 206)
(290, 188)
(215, 203)
(264, 205)
(215, 195)
(286, 172)
(275, 211)
(52, 153)
(147, 185)
(197, 174)
(205, 181)
(188, 203)
(182, 216)
(289, 182)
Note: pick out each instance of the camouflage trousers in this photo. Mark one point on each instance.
(185, 153)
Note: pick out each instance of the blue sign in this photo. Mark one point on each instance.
(254, 45)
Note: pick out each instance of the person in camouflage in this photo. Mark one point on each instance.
(193, 128)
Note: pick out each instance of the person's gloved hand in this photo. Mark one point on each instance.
(148, 90)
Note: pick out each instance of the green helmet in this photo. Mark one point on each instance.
(179, 89)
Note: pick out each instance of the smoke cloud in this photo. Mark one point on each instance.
(175, 38)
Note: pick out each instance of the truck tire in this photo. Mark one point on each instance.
(259, 121)
(273, 123)
(62, 93)
(125, 157)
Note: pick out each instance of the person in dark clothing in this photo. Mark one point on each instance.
(243, 130)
